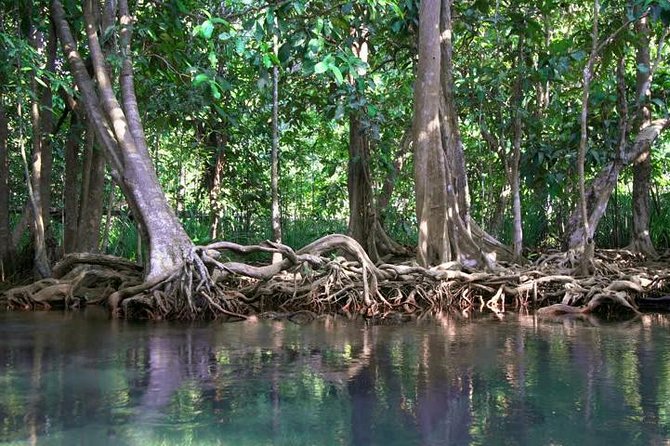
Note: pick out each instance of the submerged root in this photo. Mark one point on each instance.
(335, 275)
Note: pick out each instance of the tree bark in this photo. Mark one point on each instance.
(70, 193)
(5, 238)
(586, 245)
(118, 130)
(429, 160)
(640, 237)
(361, 213)
(41, 264)
(274, 174)
(359, 186)
(442, 203)
(517, 239)
(604, 183)
(92, 194)
(218, 141)
(46, 131)
(602, 186)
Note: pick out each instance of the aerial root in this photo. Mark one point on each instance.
(333, 274)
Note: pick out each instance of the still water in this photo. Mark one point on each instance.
(80, 379)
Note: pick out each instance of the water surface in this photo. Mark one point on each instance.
(81, 379)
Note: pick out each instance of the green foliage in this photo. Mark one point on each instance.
(203, 80)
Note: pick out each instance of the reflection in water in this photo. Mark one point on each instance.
(81, 379)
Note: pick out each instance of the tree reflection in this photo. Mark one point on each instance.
(513, 380)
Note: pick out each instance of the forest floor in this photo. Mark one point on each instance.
(334, 275)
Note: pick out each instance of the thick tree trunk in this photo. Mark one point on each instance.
(5, 239)
(442, 203)
(640, 238)
(92, 194)
(429, 160)
(359, 185)
(361, 212)
(71, 181)
(124, 144)
(451, 135)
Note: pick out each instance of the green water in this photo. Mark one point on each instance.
(80, 379)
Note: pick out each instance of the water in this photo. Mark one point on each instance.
(80, 379)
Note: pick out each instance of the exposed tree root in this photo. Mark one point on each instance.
(321, 278)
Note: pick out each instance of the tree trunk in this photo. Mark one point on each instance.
(41, 264)
(124, 143)
(602, 186)
(92, 194)
(604, 183)
(429, 160)
(359, 186)
(46, 131)
(516, 158)
(640, 238)
(586, 245)
(442, 202)
(218, 140)
(274, 174)
(361, 213)
(5, 239)
(70, 193)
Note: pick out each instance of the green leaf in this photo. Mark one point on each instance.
(200, 79)
(336, 71)
(206, 29)
(213, 60)
(215, 91)
(240, 46)
(321, 67)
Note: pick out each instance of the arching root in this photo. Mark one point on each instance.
(334, 274)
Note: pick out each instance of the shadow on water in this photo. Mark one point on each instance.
(78, 378)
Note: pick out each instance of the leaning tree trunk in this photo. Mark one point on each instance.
(601, 188)
(119, 130)
(442, 203)
(603, 185)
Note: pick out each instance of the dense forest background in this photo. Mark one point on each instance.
(326, 90)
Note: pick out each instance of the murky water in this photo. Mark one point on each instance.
(80, 379)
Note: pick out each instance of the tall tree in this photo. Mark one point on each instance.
(119, 130)
(274, 174)
(5, 238)
(442, 202)
(640, 237)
